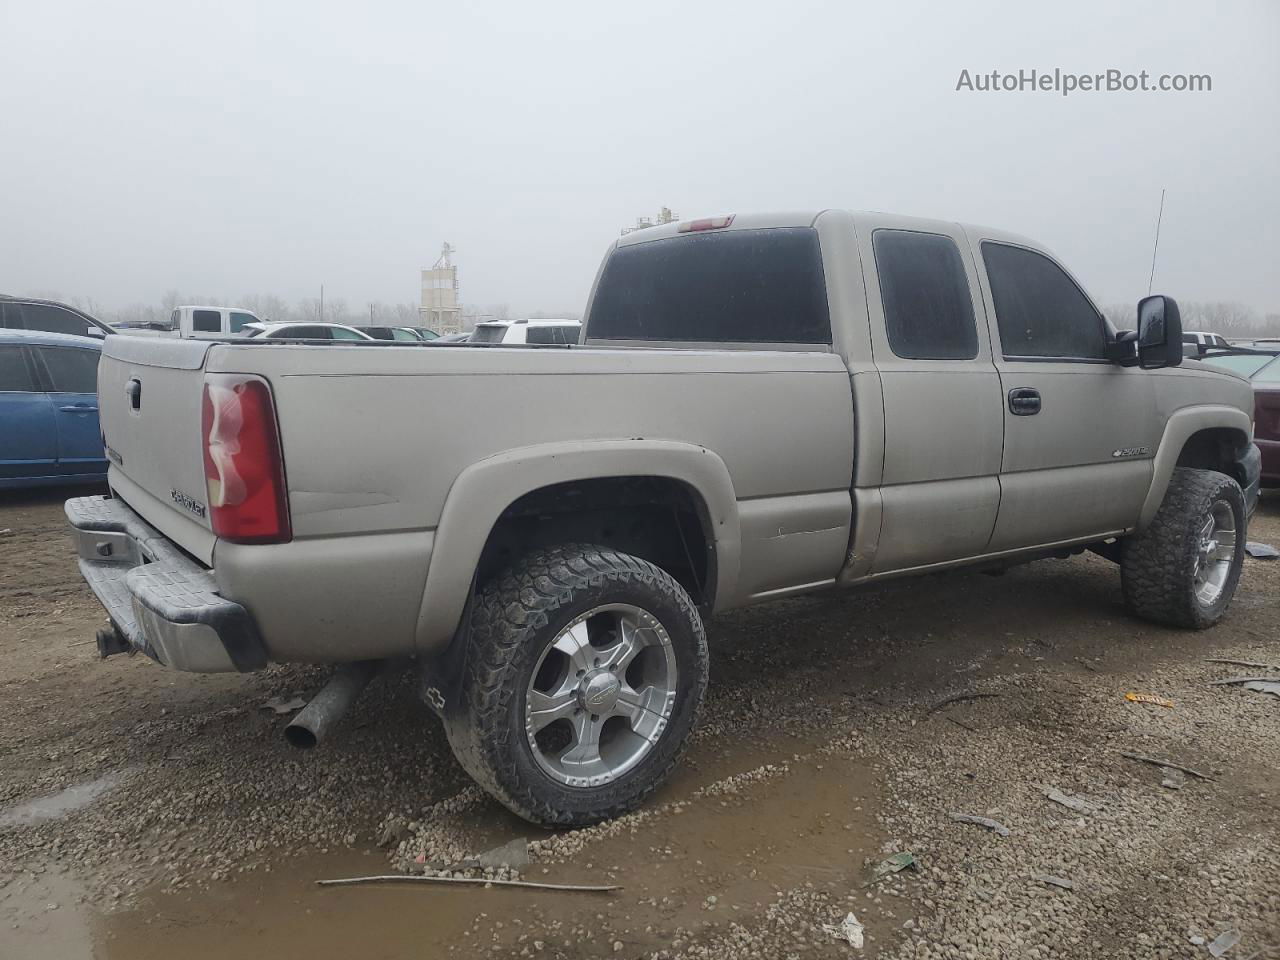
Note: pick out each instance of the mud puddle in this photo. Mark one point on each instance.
(721, 858)
(809, 826)
(54, 806)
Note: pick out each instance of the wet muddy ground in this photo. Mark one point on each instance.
(145, 813)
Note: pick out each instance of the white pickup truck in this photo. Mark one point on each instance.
(759, 407)
(193, 322)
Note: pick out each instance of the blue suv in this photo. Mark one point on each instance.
(49, 430)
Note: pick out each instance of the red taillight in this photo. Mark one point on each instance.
(243, 469)
(709, 223)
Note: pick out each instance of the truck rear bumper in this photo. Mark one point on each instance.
(162, 602)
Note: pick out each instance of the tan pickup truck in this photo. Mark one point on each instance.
(759, 407)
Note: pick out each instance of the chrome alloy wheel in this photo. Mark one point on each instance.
(601, 695)
(1215, 552)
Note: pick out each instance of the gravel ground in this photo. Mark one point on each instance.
(825, 747)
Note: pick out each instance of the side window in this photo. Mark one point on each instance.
(307, 333)
(15, 376)
(206, 321)
(238, 320)
(70, 370)
(928, 312)
(339, 333)
(175, 321)
(1039, 309)
(43, 316)
(11, 316)
(552, 334)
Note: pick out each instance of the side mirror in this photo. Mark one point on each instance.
(1159, 333)
(1124, 348)
(96, 332)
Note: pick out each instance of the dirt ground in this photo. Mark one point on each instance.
(146, 813)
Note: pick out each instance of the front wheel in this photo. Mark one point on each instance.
(584, 671)
(1183, 569)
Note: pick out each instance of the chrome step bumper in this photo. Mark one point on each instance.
(162, 602)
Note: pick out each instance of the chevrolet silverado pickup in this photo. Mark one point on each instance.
(758, 407)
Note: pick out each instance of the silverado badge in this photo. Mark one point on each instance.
(190, 504)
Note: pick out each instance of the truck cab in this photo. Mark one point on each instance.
(194, 322)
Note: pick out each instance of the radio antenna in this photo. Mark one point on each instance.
(1156, 246)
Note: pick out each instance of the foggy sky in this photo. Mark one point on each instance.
(238, 147)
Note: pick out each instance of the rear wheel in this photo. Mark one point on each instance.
(1183, 569)
(584, 671)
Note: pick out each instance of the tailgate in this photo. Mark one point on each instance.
(149, 395)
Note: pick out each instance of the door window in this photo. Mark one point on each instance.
(70, 370)
(206, 321)
(1039, 309)
(238, 320)
(15, 375)
(340, 333)
(928, 311)
(44, 316)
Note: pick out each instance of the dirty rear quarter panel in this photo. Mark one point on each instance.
(374, 440)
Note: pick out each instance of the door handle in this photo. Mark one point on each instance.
(1024, 401)
(78, 408)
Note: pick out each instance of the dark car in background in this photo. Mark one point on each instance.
(49, 430)
(1261, 367)
(29, 313)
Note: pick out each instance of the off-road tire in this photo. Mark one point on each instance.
(513, 619)
(1157, 566)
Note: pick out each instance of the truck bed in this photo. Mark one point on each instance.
(376, 436)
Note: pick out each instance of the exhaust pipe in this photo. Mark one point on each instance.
(111, 642)
(314, 721)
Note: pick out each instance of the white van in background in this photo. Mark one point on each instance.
(194, 322)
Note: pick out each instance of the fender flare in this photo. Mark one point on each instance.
(1179, 428)
(486, 488)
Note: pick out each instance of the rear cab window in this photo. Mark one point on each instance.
(734, 286)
